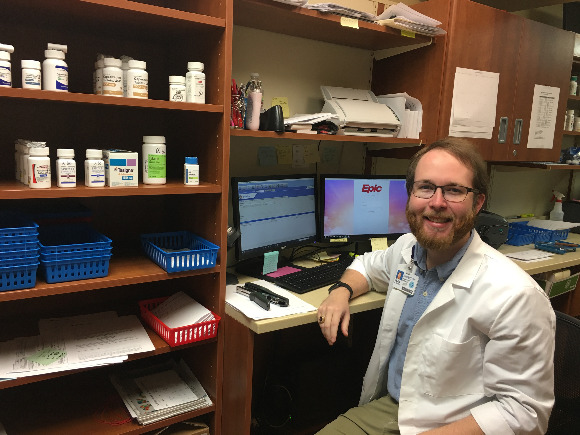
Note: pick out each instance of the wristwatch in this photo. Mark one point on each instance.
(339, 284)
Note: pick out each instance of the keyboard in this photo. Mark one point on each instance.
(311, 278)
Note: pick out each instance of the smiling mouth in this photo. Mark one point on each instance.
(438, 219)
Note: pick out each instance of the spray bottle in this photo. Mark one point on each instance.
(557, 214)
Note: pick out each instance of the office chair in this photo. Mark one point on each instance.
(565, 417)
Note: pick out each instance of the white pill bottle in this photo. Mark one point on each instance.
(31, 74)
(55, 69)
(66, 168)
(154, 160)
(5, 65)
(39, 168)
(94, 168)
(195, 83)
(137, 80)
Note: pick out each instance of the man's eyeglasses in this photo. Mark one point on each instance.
(451, 192)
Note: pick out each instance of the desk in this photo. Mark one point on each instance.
(241, 333)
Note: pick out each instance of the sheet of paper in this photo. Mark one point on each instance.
(474, 103)
(251, 310)
(267, 156)
(165, 389)
(284, 153)
(529, 255)
(543, 117)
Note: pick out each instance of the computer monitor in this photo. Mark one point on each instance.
(359, 207)
(273, 213)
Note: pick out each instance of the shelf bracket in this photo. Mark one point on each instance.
(389, 52)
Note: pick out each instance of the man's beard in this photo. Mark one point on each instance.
(460, 228)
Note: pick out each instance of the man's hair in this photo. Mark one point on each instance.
(462, 150)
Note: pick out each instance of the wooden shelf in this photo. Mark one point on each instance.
(326, 27)
(16, 190)
(70, 97)
(321, 137)
(539, 165)
(122, 271)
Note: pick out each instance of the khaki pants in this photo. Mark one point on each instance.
(378, 417)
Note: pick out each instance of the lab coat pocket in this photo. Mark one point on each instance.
(452, 369)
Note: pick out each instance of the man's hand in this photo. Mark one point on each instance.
(334, 311)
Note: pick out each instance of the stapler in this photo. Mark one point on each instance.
(262, 296)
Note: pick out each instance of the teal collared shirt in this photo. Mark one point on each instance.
(428, 285)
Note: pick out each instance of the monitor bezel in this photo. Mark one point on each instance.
(350, 237)
(257, 252)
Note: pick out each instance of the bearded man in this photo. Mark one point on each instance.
(466, 339)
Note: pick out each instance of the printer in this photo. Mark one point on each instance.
(358, 112)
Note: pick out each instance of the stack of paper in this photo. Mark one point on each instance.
(409, 110)
(299, 3)
(156, 393)
(181, 310)
(72, 343)
(337, 9)
(401, 16)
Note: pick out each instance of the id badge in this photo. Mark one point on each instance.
(405, 279)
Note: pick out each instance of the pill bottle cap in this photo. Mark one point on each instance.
(112, 61)
(139, 64)
(34, 64)
(5, 51)
(65, 152)
(40, 151)
(177, 80)
(196, 66)
(97, 154)
(574, 78)
(54, 54)
(153, 139)
(191, 160)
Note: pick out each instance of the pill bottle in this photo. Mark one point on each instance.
(195, 83)
(177, 88)
(25, 153)
(98, 76)
(577, 124)
(39, 168)
(137, 80)
(66, 168)
(5, 65)
(124, 68)
(31, 74)
(191, 171)
(573, 85)
(154, 160)
(112, 77)
(94, 168)
(55, 69)
(570, 117)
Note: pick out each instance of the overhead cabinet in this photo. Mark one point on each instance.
(524, 53)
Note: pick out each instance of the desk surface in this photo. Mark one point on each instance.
(373, 300)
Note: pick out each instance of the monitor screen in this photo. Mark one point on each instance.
(358, 207)
(273, 213)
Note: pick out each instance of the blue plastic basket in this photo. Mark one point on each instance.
(18, 277)
(179, 251)
(18, 258)
(75, 269)
(72, 254)
(14, 227)
(520, 233)
(81, 240)
(18, 243)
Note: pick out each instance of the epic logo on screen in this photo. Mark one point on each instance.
(367, 188)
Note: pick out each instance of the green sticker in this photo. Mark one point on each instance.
(156, 165)
(46, 356)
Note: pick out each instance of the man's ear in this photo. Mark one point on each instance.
(479, 201)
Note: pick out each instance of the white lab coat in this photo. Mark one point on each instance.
(484, 345)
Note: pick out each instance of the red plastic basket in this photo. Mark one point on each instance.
(177, 336)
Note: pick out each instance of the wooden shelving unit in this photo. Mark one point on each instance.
(160, 33)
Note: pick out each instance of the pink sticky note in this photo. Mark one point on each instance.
(283, 271)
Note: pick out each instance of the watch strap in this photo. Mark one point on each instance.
(339, 284)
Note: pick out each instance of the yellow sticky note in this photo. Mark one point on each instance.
(329, 153)
(379, 243)
(284, 153)
(311, 154)
(282, 101)
(407, 33)
(349, 22)
(298, 156)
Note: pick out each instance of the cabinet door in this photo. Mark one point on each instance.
(485, 39)
(545, 58)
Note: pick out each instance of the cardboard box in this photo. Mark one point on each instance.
(558, 287)
(121, 168)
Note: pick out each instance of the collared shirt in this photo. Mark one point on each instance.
(429, 284)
